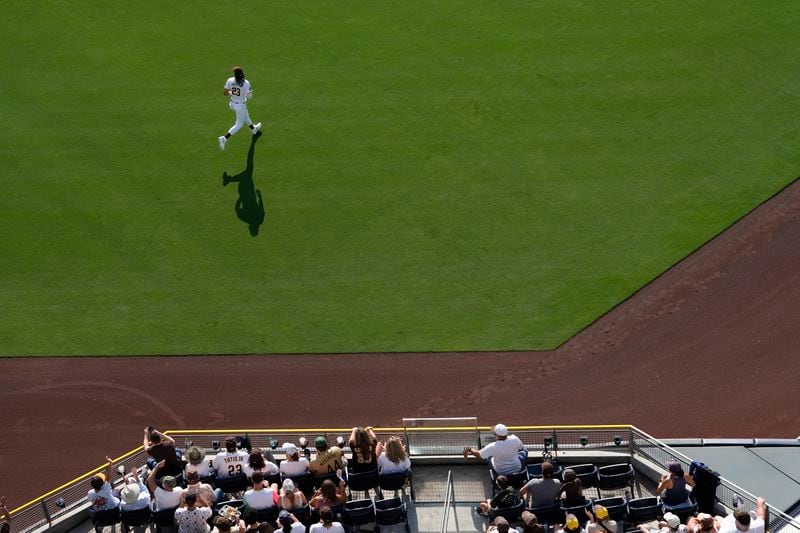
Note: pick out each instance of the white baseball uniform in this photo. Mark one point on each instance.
(238, 103)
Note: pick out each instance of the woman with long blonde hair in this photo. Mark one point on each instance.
(392, 457)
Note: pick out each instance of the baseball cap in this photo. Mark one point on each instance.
(572, 523)
(500, 430)
(288, 485)
(284, 517)
(320, 443)
(672, 520)
(289, 448)
(600, 512)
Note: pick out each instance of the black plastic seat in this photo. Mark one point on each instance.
(270, 514)
(273, 479)
(682, 510)
(164, 518)
(390, 512)
(617, 506)
(535, 471)
(105, 518)
(644, 509)
(233, 484)
(362, 481)
(358, 512)
(547, 514)
(512, 514)
(397, 482)
(136, 518)
(578, 510)
(516, 480)
(618, 476)
(587, 473)
(319, 480)
(303, 482)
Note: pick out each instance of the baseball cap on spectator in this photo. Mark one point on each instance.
(501, 524)
(600, 512)
(130, 493)
(288, 485)
(168, 482)
(572, 524)
(284, 518)
(500, 430)
(672, 520)
(321, 443)
(195, 455)
(289, 448)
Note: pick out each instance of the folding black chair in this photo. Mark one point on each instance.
(104, 518)
(644, 509)
(137, 518)
(516, 480)
(684, 510)
(512, 514)
(232, 484)
(356, 513)
(270, 514)
(397, 482)
(617, 506)
(362, 481)
(390, 512)
(164, 519)
(613, 477)
(304, 482)
(547, 514)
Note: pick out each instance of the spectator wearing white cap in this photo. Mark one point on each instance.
(506, 455)
(743, 521)
(671, 523)
(291, 497)
(293, 465)
(134, 494)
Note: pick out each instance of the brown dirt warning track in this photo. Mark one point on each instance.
(710, 348)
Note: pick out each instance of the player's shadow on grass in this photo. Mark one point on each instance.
(249, 206)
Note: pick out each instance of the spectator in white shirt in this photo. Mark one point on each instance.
(193, 515)
(168, 495)
(326, 523)
(392, 457)
(741, 521)
(101, 497)
(260, 497)
(507, 454)
(294, 465)
(231, 462)
(196, 461)
(134, 494)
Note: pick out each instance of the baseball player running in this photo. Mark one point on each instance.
(239, 89)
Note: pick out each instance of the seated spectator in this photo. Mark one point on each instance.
(329, 495)
(530, 523)
(232, 461)
(257, 463)
(192, 516)
(162, 448)
(293, 465)
(252, 524)
(599, 522)
(289, 524)
(544, 491)
(703, 522)
(291, 497)
(504, 498)
(168, 495)
(101, 496)
(326, 523)
(196, 461)
(260, 497)
(134, 495)
(226, 525)
(741, 521)
(362, 443)
(500, 525)
(672, 487)
(5, 526)
(671, 523)
(392, 458)
(506, 455)
(328, 459)
(203, 491)
(571, 489)
(571, 525)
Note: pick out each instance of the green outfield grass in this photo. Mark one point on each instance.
(436, 175)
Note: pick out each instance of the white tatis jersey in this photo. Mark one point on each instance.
(239, 94)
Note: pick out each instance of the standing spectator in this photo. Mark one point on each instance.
(363, 442)
(599, 522)
(289, 524)
(193, 515)
(257, 463)
(260, 497)
(672, 487)
(506, 497)
(392, 458)
(5, 527)
(294, 465)
(203, 491)
(232, 461)
(134, 494)
(162, 448)
(101, 497)
(328, 459)
(168, 495)
(544, 491)
(326, 523)
(740, 521)
(572, 489)
(197, 462)
(507, 455)
(253, 525)
(329, 495)
(500, 525)
(291, 497)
